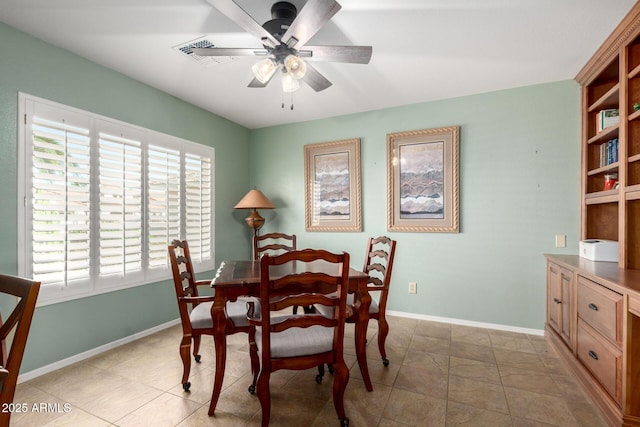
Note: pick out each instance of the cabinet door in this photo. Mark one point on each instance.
(560, 283)
(566, 290)
(553, 297)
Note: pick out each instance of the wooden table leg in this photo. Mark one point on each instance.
(220, 341)
(362, 303)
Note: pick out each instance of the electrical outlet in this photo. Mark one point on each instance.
(413, 288)
(561, 241)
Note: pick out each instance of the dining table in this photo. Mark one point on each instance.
(235, 279)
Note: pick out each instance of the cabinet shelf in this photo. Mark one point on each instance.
(610, 98)
(613, 167)
(634, 73)
(632, 159)
(601, 197)
(605, 135)
(632, 192)
(635, 115)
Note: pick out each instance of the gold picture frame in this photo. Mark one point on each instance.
(332, 186)
(422, 180)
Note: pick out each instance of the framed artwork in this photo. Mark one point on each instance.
(332, 186)
(422, 180)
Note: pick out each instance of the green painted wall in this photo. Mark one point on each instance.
(519, 183)
(34, 67)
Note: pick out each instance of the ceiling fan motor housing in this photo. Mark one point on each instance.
(282, 13)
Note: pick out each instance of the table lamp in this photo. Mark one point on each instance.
(254, 200)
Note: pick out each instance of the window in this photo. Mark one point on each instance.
(100, 200)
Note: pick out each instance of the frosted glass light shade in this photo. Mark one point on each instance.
(296, 67)
(263, 70)
(289, 84)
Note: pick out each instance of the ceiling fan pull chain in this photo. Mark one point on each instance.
(291, 101)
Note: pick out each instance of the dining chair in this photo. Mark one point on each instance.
(273, 244)
(378, 264)
(302, 341)
(16, 326)
(195, 310)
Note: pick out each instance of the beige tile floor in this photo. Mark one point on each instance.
(440, 375)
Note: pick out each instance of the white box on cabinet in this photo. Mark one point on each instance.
(599, 250)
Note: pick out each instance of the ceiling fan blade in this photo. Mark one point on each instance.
(316, 80)
(348, 54)
(312, 17)
(233, 11)
(257, 83)
(228, 51)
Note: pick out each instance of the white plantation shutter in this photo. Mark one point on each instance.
(100, 200)
(60, 200)
(120, 206)
(198, 207)
(163, 206)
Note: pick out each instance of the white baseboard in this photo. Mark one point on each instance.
(93, 352)
(467, 323)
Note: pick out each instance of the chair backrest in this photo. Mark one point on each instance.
(273, 244)
(183, 276)
(18, 322)
(378, 263)
(303, 278)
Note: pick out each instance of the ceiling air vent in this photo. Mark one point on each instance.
(187, 49)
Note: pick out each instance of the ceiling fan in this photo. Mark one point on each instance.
(284, 40)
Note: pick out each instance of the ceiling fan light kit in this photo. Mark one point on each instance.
(289, 84)
(263, 70)
(296, 67)
(293, 68)
(284, 39)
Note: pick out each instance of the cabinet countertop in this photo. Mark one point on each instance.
(607, 273)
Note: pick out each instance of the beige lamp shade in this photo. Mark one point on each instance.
(254, 199)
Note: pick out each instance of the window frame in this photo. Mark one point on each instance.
(97, 124)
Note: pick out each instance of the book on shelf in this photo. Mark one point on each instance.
(606, 118)
(609, 152)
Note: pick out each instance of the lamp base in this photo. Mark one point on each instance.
(254, 221)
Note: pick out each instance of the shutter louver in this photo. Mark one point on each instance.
(100, 200)
(120, 198)
(61, 194)
(198, 202)
(163, 205)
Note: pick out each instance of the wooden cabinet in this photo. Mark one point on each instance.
(560, 291)
(605, 354)
(597, 330)
(611, 80)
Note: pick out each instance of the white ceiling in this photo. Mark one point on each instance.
(423, 50)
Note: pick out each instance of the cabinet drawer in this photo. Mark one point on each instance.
(602, 358)
(601, 308)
